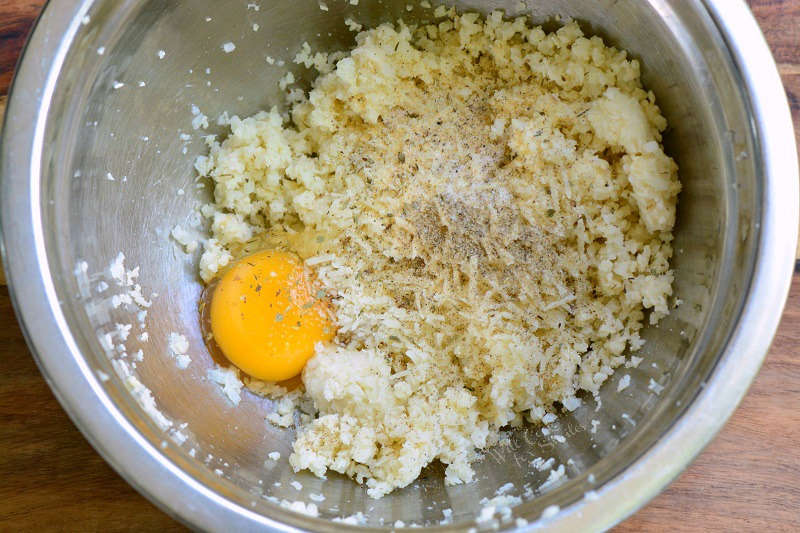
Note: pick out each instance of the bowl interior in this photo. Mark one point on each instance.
(123, 108)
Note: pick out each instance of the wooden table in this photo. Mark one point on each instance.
(747, 479)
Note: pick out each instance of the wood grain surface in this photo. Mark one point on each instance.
(747, 479)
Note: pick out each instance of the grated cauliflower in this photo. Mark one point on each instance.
(489, 210)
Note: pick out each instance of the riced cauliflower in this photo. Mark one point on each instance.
(489, 209)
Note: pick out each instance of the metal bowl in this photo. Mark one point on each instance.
(70, 125)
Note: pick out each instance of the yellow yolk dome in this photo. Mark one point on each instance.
(266, 315)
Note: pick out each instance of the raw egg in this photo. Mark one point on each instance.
(267, 315)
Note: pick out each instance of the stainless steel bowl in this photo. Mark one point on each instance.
(69, 123)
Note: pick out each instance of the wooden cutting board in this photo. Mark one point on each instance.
(747, 479)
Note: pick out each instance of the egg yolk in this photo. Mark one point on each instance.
(266, 316)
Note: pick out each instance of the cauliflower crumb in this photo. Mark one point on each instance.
(117, 269)
(550, 511)
(231, 228)
(357, 519)
(633, 362)
(141, 393)
(654, 386)
(213, 259)
(571, 403)
(554, 477)
(505, 488)
(199, 121)
(486, 514)
(183, 238)
(123, 330)
(541, 464)
(178, 345)
(447, 517)
(352, 25)
(286, 80)
(301, 507)
(229, 381)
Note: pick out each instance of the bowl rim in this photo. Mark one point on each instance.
(160, 480)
